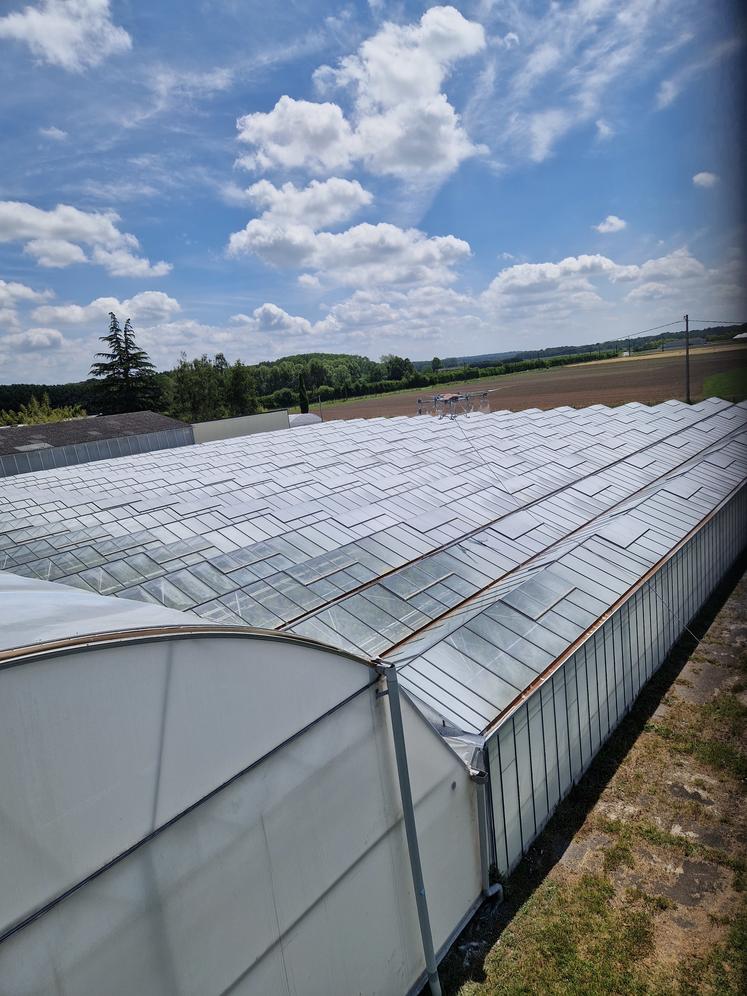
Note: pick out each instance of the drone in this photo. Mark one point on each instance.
(451, 405)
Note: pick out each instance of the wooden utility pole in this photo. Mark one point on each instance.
(687, 360)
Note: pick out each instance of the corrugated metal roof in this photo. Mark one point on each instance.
(471, 551)
(22, 438)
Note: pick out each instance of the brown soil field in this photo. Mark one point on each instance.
(648, 379)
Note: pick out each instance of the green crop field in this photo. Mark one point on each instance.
(730, 385)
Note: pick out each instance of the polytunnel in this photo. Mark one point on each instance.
(226, 792)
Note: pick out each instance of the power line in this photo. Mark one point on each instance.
(656, 328)
(632, 335)
(712, 321)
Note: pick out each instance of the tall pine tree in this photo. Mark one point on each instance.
(128, 378)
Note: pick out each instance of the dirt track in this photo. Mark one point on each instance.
(647, 379)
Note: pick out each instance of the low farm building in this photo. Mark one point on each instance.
(272, 706)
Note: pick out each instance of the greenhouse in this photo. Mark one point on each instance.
(208, 761)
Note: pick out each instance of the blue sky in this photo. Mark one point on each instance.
(368, 177)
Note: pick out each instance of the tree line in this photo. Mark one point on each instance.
(40, 411)
(123, 378)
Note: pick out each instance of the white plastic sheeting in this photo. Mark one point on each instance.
(218, 813)
(36, 612)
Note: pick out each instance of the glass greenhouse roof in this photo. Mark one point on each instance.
(471, 552)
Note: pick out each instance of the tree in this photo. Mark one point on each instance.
(315, 373)
(342, 381)
(38, 412)
(128, 378)
(436, 364)
(303, 398)
(199, 389)
(242, 397)
(397, 368)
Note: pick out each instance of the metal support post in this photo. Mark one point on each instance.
(408, 813)
(480, 778)
(687, 360)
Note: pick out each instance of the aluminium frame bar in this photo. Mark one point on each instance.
(389, 672)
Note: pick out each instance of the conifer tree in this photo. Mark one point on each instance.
(303, 397)
(128, 378)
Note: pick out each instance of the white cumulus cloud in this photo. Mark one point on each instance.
(363, 254)
(147, 307)
(705, 179)
(123, 263)
(14, 295)
(610, 224)
(34, 340)
(12, 292)
(55, 238)
(297, 133)
(54, 133)
(402, 124)
(71, 34)
(318, 205)
(271, 319)
(55, 252)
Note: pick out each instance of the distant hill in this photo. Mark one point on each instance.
(637, 344)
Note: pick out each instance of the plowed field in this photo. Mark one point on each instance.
(648, 379)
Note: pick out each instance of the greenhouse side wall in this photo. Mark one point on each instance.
(546, 745)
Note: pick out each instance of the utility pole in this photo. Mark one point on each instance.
(630, 353)
(687, 360)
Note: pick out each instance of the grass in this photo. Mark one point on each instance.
(731, 385)
(572, 939)
(721, 971)
(709, 733)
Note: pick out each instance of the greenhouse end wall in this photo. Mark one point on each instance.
(220, 814)
(544, 747)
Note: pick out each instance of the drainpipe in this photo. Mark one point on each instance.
(389, 671)
(480, 779)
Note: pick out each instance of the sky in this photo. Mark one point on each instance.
(384, 177)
